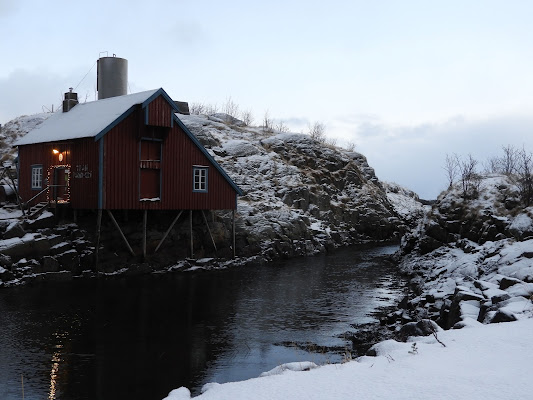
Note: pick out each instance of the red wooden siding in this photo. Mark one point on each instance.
(178, 155)
(84, 174)
(82, 158)
(40, 154)
(160, 112)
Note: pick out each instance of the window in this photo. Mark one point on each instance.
(37, 177)
(199, 179)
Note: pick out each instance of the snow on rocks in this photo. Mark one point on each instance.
(294, 366)
(301, 196)
(471, 260)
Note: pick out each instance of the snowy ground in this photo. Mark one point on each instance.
(482, 362)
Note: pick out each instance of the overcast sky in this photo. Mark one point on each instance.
(406, 81)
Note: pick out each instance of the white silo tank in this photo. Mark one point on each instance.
(112, 77)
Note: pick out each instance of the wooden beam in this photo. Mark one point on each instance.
(209, 230)
(120, 231)
(98, 227)
(168, 231)
(190, 228)
(145, 223)
(233, 231)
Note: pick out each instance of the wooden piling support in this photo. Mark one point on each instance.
(209, 230)
(168, 231)
(233, 231)
(190, 229)
(98, 227)
(120, 231)
(145, 222)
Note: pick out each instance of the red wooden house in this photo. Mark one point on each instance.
(128, 152)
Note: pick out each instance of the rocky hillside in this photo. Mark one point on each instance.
(471, 260)
(13, 130)
(301, 196)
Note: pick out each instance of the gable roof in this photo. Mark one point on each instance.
(90, 119)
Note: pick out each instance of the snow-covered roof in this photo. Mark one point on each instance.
(87, 119)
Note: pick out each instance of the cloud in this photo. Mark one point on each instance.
(413, 156)
(25, 92)
(8, 7)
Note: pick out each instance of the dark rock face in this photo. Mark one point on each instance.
(424, 327)
(502, 316)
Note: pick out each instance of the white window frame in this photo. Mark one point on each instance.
(37, 177)
(200, 175)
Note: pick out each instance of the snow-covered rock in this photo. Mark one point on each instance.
(301, 196)
(472, 259)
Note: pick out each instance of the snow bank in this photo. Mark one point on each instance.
(478, 363)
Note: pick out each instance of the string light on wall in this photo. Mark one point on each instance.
(65, 198)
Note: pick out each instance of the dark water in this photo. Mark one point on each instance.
(139, 338)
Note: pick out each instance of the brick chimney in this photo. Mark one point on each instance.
(71, 99)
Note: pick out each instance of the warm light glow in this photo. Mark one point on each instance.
(55, 151)
(60, 156)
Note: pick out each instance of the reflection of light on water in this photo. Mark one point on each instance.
(54, 372)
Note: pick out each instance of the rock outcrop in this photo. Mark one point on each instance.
(469, 261)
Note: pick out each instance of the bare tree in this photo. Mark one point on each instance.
(451, 166)
(247, 117)
(230, 108)
(317, 131)
(493, 165)
(267, 122)
(508, 162)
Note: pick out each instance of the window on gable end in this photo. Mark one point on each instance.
(200, 179)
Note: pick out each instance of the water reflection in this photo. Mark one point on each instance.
(139, 338)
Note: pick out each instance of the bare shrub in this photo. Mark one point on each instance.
(247, 117)
(281, 127)
(317, 131)
(211, 109)
(470, 179)
(524, 177)
(332, 142)
(197, 108)
(267, 122)
(350, 146)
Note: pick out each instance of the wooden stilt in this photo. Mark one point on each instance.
(145, 222)
(190, 228)
(98, 227)
(75, 215)
(209, 230)
(233, 231)
(168, 231)
(120, 231)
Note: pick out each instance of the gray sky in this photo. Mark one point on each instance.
(406, 81)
